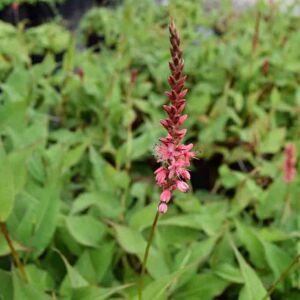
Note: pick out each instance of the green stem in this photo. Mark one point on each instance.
(13, 251)
(141, 283)
(282, 276)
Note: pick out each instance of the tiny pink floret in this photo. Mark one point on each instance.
(162, 208)
(161, 174)
(185, 174)
(165, 196)
(182, 186)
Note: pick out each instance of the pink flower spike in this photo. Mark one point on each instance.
(165, 196)
(182, 186)
(162, 208)
(174, 156)
(289, 164)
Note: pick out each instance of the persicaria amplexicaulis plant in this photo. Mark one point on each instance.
(171, 153)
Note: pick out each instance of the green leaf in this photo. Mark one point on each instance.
(143, 218)
(95, 264)
(86, 230)
(23, 291)
(6, 285)
(46, 216)
(229, 273)
(73, 156)
(106, 176)
(96, 293)
(229, 178)
(273, 141)
(277, 258)
(76, 280)
(252, 243)
(7, 190)
(18, 85)
(106, 202)
(272, 199)
(207, 285)
(18, 167)
(38, 278)
(198, 221)
(133, 242)
(254, 288)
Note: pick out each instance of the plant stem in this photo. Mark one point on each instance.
(282, 276)
(141, 283)
(13, 250)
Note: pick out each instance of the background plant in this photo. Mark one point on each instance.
(78, 128)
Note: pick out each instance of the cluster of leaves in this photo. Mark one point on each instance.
(77, 135)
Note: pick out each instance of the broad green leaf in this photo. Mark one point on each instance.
(106, 202)
(73, 156)
(273, 141)
(38, 278)
(197, 221)
(18, 84)
(7, 190)
(133, 242)
(277, 258)
(252, 243)
(26, 291)
(207, 286)
(95, 264)
(6, 285)
(18, 167)
(253, 288)
(229, 273)
(86, 230)
(106, 176)
(272, 199)
(76, 280)
(96, 293)
(46, 217)
(143, 217)
(229, 178)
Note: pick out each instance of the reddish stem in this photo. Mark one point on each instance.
(13, 251)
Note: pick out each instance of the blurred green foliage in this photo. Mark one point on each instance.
(76, 154)
(4, 3)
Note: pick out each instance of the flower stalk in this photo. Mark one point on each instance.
(13, 251)
(146, 254)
